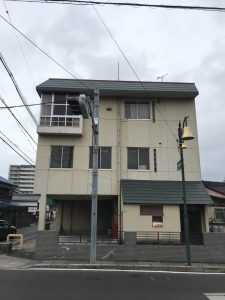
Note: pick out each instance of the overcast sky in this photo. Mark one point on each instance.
(187, 45)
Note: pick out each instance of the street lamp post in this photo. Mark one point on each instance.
(184, 133)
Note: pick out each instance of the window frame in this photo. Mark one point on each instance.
(144, 210)
(61, 157)
(160, 222)
(148, 210)
(138, 158)
(51, 119)
(137, 103)
(99, 158)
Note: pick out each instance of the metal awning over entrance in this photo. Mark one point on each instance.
(163, 192)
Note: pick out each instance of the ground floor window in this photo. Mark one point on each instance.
(157, 221)
(155, 211)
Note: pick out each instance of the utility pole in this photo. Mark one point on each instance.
(94, 204)
(87, 111)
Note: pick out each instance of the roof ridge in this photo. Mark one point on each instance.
(129, 81)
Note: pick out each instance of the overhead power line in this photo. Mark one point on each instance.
(21, 125)
(19, 43)
(37, 104)
(132, 68)
(131, 4)
(45, 53)
(15, 150)
(17, 88)
(90, 2)
(14, 145)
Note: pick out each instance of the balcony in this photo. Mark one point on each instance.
(61, 125)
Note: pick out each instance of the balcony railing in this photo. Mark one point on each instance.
(71, 125)
(60, 121)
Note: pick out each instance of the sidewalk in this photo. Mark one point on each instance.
(10, 262)
(24, 259)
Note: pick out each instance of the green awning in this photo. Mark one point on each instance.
(163, 192)
(51, 202)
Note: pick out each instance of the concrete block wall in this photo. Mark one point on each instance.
(214, 239)
(46, 244)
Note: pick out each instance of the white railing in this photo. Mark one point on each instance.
(65, 121)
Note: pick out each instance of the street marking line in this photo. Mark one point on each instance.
(117, 270)
(215, 296)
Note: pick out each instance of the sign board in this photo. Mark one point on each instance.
(32, 209)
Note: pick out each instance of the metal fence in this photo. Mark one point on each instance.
(142, 237)
(80, 236)
(167, 238)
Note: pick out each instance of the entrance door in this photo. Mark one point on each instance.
(195, 223)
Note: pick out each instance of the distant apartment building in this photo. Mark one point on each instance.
(23, 177)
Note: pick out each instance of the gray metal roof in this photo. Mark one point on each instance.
(120, 88)
(163, 192)
(6, 181)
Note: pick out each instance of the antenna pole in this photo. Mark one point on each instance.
(161, 77)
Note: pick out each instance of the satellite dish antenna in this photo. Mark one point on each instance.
(162, 77)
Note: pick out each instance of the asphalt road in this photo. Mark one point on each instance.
(107, 285)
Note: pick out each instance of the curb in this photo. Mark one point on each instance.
(121, 267)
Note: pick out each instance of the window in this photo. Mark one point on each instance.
(46, 105)
(151, 210)
(138, 158)
(219, 213)
(59, 110)
(136, 110)
(61, 157)
(104, 158)
(155, 211)
(157, 221)
(155, 160)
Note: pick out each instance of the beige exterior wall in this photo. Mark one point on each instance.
(119, 133)
(133, 221)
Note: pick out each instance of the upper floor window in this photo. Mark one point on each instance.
(138, 158)
(104, 158)
(59, 110)
(61, 157)
(136, 110)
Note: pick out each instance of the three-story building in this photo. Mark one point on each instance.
(139, 184)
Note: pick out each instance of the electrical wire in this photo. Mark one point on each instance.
(37, 104)
(75, 76)
(5, 136)
(15, 150)
(20, 45)
(45, 53)
(131, 67)
(118, 46)
(17, 88)
(130, 4)
(18, 121)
